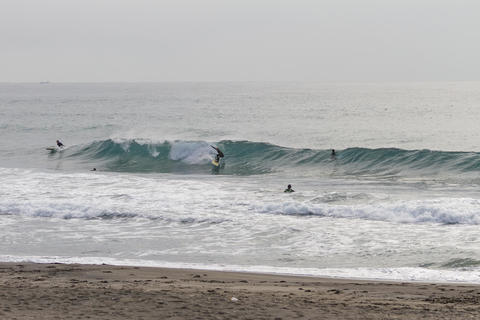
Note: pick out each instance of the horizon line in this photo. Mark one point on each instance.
(232, 81)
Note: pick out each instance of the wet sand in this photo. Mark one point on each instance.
(61, 291)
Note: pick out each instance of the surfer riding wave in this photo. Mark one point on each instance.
(219, 154)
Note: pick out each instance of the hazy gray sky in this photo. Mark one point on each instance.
(215, 40)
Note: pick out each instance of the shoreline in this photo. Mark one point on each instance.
(447, 276)
(76, 291)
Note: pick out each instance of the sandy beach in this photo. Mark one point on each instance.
(63, 291)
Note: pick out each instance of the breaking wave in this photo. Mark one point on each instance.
(442, 211)
(251, 158)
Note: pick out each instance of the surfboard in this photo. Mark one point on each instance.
(215, 163)
(51, 148)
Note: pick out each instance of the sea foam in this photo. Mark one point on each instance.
(441, 210)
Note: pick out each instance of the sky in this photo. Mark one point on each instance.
(239, 40)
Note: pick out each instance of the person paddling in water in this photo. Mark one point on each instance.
(219, 154)
(60, 144)
(289, 189)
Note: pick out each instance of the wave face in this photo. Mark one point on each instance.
(243, 158)
(251, 158)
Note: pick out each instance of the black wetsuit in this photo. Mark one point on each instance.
(289, 189)
(219, 154)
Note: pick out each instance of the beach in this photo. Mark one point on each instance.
(74, 291)
(235, 160)
(397, 206)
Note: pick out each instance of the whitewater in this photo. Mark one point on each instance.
(400, 199)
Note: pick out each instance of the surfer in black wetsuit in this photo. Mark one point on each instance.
(59, 144)
(289, 189)
(219, 154)
(333, 155)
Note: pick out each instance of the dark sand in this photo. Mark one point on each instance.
(61, 291)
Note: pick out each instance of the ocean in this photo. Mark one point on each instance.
(400, 200)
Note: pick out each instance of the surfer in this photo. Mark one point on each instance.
(219, 154)
(60, 144)
(289, 189)
(333, 155)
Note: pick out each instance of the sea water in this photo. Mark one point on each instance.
(399, 200)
